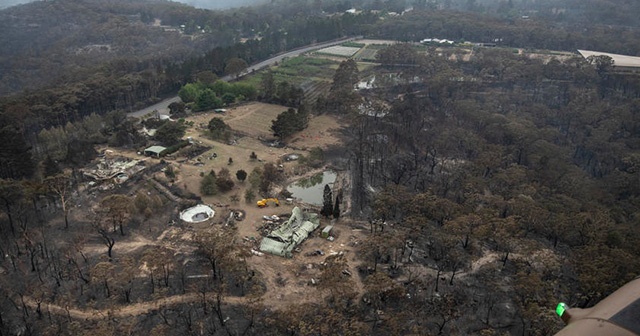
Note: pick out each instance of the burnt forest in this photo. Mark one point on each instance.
(325, 167)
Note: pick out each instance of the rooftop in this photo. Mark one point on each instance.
(618, 60)
(155, 149)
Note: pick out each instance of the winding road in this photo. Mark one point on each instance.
(163, 106)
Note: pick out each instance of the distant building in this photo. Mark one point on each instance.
(435, 40)
(621, 63)
(483, 44)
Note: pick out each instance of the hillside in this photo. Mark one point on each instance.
(63, 41)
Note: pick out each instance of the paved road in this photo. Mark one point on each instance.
(162, 107)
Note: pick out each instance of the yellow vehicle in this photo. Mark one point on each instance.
(264, 202)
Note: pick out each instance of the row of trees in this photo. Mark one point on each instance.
(567, 12)
(205, 96)
(476, 27)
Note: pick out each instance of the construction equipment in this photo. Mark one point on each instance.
(265, 202)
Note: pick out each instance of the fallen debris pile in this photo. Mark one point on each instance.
(283, 240)
(120, 168)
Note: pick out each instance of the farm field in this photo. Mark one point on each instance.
(367, 54)
(298, 70)
(341, 51)
(312, 74)
(306, 67)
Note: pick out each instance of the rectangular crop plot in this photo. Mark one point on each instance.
(368, 54)
(340, 51)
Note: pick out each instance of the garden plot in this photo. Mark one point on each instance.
(368, 54)
(340, 51)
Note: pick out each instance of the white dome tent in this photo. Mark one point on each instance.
(197, 214)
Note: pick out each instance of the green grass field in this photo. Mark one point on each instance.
(312, 74)
(297, 70)
(305, 67)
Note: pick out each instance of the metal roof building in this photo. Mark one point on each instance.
(620, 62)
(154, 151)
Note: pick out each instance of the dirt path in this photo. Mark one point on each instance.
(132, 243)
(486, 259)
(126, 311)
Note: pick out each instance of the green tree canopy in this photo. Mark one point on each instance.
(170, 133)
(218, 129)
(208, 186)
(189, 93)
(401, 53)
(207, 99)
(241, 175)
(235, 66)
(327, 201)
(289, 122)
(268, 85)
(224, 181)
(205, 96)
(346, 76)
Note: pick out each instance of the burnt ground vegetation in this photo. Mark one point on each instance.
(489, 189)
(530, 165)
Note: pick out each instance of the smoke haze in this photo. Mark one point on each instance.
(208, 4)
(220, 4)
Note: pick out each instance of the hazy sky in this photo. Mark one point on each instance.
(209, 4)
(7, 3)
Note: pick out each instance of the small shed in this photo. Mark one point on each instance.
(154, 151)
(326, 231)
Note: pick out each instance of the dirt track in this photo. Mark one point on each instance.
(126, 311)
(280, 296)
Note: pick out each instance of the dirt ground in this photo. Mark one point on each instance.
(381, 42)
(287, 280)
(253, 121)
